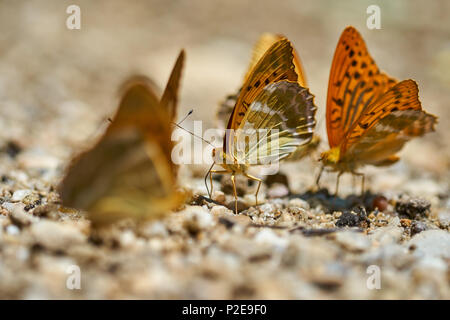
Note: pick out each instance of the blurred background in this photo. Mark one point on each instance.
(57, 86)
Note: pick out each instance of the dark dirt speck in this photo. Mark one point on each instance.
(413, 207)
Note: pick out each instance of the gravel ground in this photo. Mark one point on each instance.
(57, 87)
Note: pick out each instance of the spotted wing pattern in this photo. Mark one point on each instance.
(355, 83)
(275, 65)
(383, 129)
(265, 41)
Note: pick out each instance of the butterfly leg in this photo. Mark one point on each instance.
(319, 176)
(353, 182)
(259, 184)
(211, 180)
(206, 178)
(363, 179)
(337, 182)
(235, 193)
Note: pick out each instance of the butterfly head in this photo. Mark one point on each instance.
(218, 155)
(331, 156)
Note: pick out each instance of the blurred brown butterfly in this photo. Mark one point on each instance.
(370, 116)
(129, 172)
(265, 41)
(274, 108)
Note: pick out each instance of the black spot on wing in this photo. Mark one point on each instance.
(363, 125)
(339, 102)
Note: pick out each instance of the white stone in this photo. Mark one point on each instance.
(389, 234)
(199, 215)
(56, 235)
(9, 206)
(12, 230)
(220, 211)
(267, 236)
(18, 195)
(218, 196)
(431, 243)
(299, 203)
(127, 238)
(353, 241)
(430, 262)
(155, 229)
(444, 218)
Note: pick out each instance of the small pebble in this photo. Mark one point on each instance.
(19, 217)
(196, 219)
(353, 241)
(218, 196)
(405, 223)
(240, 204)
(417, 227)
(300, 203)
(432, 243)
(220, 211)
(267, 236)
(19, 195)
(444, 218)
(349, 219)
(413, 207)
(56, 235)
(12, 230)
(278, 190)
(380, 202)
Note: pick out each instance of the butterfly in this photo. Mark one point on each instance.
(369, 115)
(265, 41)
(129, 172)
(273, 115)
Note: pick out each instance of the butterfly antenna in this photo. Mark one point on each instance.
(193, 134)
(206, 177)
(186, 116)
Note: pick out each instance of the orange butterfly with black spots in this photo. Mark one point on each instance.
(273, 111)
(265, 41)
(370, 116)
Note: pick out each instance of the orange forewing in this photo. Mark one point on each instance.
(265, 41)
(275, 65)
(355, 83)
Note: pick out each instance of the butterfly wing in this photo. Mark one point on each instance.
(382, 130)
(280, 119)
(304, 150)
(128, 172)
(265, 41)
(263, 44)
(275, 65)
(169, 98)
(123, 175)
(355, 82)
